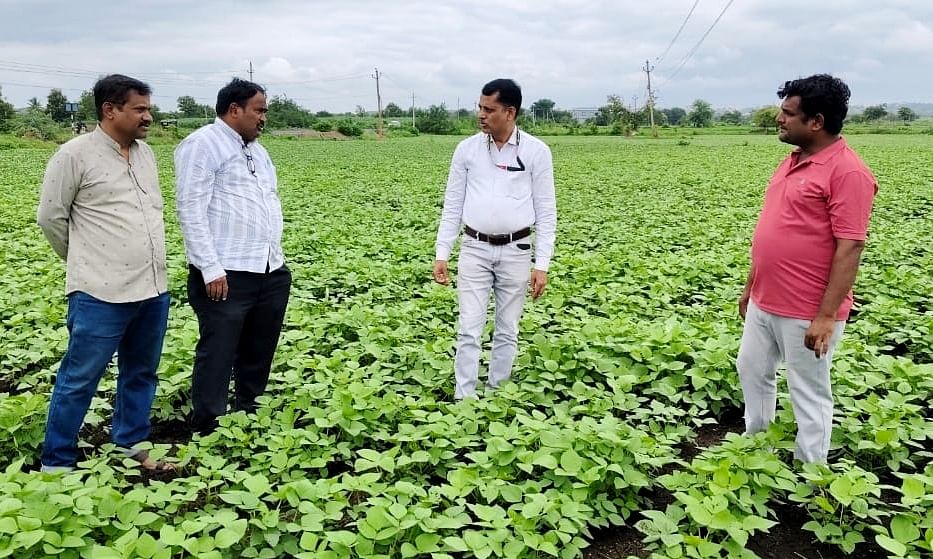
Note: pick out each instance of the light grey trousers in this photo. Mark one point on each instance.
(483, 268)
(767, 340)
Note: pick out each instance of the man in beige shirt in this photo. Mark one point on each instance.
(101, 210)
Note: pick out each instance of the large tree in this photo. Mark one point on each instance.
(542, 108)
(675, 115)
(87, 110)
(286, 113)
(55, 106)
(766, 117)
(6, 113)
(701, 114)
(875, 112)
(393, 110)
(435, 120)
(188, 107)
(906, 114)
(732, 117)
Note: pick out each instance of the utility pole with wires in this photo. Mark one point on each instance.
(376, 77)
(250, 70)
(412, 109)
(648, 69)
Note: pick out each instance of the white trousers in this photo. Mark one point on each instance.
(504, 270)
(767, 340)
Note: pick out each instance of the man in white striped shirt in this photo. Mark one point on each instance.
(501, 191)
(238, 284)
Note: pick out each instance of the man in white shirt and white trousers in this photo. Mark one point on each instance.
(501, 192)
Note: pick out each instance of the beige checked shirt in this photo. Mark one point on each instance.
(103, 215)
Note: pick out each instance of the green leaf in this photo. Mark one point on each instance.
(904, 528)
(571, 462)
(892, 545)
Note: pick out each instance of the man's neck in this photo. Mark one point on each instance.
(124, 143)
(818, 145)
(229, 122)
(503, 137)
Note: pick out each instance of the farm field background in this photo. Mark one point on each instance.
(359, 449)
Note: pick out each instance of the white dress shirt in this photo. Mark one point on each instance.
(230, 215)
(483, 194)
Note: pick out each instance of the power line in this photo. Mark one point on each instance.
(676, 35)
(696, 47)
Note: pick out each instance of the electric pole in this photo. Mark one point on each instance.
(412, 109)
(376, 77)
(250, 70)
(648, 69)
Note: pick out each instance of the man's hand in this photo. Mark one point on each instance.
(440, 272)
(217, 289)
(743, 305)
(819, 334)
(538, 283)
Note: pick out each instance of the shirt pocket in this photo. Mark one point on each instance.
(517, 184)
(802, 192)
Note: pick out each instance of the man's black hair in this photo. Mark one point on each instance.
(510, 94)
(115, 89)
(237, 91)
(820, 94)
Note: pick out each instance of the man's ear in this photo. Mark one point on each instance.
(106, 109)
(817, 122)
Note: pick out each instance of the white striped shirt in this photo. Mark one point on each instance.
(230, 217)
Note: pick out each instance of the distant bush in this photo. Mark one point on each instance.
(36, 124)
(348, 127)
(323, 126)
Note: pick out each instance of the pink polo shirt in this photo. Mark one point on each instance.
(807, 207)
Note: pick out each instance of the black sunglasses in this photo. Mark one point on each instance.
(521, 164)
(250, 164)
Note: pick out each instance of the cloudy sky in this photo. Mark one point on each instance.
(322, 53)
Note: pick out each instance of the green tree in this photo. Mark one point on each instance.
(34, 105)
(435, 120)
(675, 116)
(766, 117)
(6, 113)
(875, 112)
(542, 108)
(87, 110)
(906, 114)
(286, 113)
(732, 117)
(188, 107)
(701, 114)
(393, 110)
(55, 106)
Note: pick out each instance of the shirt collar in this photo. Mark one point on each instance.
(827, 153)
(229, 131)
(102, 136)
(513, 139)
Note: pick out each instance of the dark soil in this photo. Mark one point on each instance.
(786, 540)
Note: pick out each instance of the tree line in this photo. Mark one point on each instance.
(46, 121)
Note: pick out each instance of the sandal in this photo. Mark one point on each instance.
(148, 464)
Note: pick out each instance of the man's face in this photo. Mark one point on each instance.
(131, 119)
(793, 126)
(251, 119)
(494, 117)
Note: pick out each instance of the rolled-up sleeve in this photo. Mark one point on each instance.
(545, 203)
(194, 187)
(59, 188)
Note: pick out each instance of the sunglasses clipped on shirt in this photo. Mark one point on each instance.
(521, 165)
(250, 164)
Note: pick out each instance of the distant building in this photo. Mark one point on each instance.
(583, 114)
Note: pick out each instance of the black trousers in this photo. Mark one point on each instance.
(238, 337)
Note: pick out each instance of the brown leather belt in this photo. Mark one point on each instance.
(502, 239)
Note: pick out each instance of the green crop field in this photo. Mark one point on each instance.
(359, 449)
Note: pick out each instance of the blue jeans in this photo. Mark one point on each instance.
(98, 329)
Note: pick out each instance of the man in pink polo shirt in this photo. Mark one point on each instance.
(805, 256)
